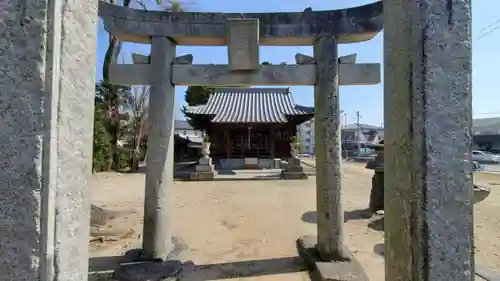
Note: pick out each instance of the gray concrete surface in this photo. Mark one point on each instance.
(492, 168)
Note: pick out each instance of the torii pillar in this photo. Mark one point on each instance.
(329, 156)
(428, 116)
(157, 238)
(327, 253)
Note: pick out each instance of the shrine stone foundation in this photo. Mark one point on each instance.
(47, 104)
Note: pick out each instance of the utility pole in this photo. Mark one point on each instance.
(342, 133)
(358, 133)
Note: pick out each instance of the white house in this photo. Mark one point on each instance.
(362, 133)
(306, 135)
(351, 135)
(184, 130)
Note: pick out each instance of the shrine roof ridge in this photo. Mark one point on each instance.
(250, 105)
(209, 29)
(236, 90)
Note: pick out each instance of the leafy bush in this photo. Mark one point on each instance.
(122, 158)
(101, 158)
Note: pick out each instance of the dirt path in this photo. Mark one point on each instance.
(246, 230)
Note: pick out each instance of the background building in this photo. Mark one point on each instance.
(306, 135)
(184, 130)
(187, 141)
(362, 133)
(486, 134)
(354, 137)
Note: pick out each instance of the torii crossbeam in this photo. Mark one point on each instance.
(186, 74)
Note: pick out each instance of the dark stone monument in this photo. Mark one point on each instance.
(377, 191)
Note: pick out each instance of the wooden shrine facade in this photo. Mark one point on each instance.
(250, 123)
(255, 140)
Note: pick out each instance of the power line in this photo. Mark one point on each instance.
(487, 113)
(497, 27)
(490, 31)
(492, 24)
(358, 132)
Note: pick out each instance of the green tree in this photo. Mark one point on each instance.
(101, 157)
(196, 95)
(171, 5)
(111, 100)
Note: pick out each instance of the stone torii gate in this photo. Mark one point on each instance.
(47, 102)
(243, 33)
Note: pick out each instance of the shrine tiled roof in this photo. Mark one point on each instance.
(250, 105)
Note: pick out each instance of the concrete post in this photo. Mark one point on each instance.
(428, 203)
(328, 157)
(46, 103)
(157, 238)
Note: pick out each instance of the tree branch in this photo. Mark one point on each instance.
(142, 4)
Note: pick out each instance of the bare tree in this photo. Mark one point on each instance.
(139, 105)
(112, 92)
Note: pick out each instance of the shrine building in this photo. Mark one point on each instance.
(250, 127)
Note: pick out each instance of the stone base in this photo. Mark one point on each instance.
(276, 163)
(205, 168)
(136, 266)
(204, 171)
(480, 193)
(294, 162)
(328, 270)
(294, 169)
(148, 271)
(205, 161)
(294, 175)
(202, 176)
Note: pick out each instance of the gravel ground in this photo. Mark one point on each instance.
(246, 230)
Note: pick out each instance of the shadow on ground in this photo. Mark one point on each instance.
(377, 224)
(248, 178)
(241, 269)
(312, 216)
(379, 249)
(101, 268)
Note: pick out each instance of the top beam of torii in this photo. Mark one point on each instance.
(275, 29)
